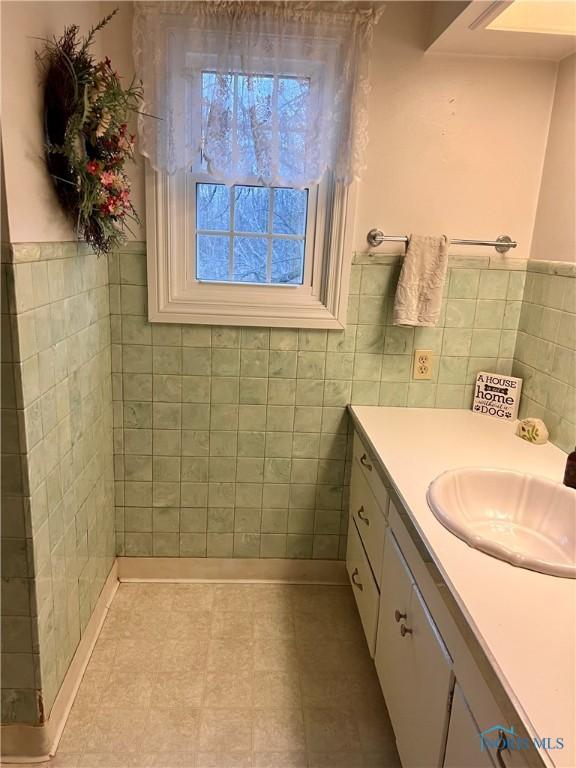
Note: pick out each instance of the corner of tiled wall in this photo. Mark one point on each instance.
(59, 315)
(545, 353)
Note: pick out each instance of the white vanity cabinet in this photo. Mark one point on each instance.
(435, 685)
(413, 665)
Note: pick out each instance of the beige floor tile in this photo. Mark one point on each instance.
(269, 598)
(331, 730)
(126, 597)
(275, 654)
(273, 625)
(116, 729)
(192, 597)
(280, 760)
(232, 624)
(357, 660)
(182, 625)
(133, 655)
(326, 655)
(234, 597)
(324, 600)
(223, 760)
(171, 730)
(102, 657)
(278, 730)
(127, 689)
(375, 730)
(311, 627)
(92, 686)
(151, 625)
(229, 689)
(171, 760)
(78, 729)
(63, 761)
(178, 689)
(387, 759)
(231, 654)
(113, 760)
(189, 654)
(325, 689)
(154, 597)
(228, 730)
(116, 626)
(276, 690)
(364, 693)
(335, 760)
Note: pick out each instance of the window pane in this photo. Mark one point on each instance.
(251, 209)
(287, 260)
(289, 211)
(212, 207)
(212, 257)
(293, 96)
(254, 122)
(250, 257)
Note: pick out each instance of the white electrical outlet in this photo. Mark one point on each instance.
(422, 364)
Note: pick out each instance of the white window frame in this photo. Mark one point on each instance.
(175, 296)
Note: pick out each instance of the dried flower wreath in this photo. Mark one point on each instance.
(86, 113)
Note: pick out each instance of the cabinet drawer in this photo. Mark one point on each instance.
(364, 461)
(369, 518)
(363, 585)
(413, 665)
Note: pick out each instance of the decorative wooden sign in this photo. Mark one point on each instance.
(497, 395)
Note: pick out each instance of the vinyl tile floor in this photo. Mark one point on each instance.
(229, 676)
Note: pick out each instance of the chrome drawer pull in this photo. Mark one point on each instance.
(404, 630)
(362, 517)
(398, 615)
(502, 745)
(356, 583)
(365, 463)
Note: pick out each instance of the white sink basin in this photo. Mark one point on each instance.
(527, 521)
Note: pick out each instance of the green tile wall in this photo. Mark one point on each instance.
(545, 354)
(19, 701)
(58, 544)
(235, 441)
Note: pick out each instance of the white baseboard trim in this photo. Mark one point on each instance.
(223, 569)
(38, 743)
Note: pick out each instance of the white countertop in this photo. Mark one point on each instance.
(525, 621)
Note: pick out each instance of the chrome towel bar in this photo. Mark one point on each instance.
(502, 244)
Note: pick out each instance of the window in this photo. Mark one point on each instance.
(251, 234)
(249, 194)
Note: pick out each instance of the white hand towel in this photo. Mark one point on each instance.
(419, 292)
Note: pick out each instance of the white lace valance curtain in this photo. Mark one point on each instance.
(254, 92)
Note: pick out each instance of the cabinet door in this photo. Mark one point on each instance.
(413, 665)
(463, 745)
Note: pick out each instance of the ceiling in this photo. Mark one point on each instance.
(533, 29)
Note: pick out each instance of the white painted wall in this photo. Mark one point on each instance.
(33, 210)
(456, 143)
(555, 226)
